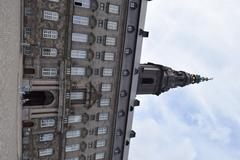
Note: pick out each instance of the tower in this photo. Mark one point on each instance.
(156, 79)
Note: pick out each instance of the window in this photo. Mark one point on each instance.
(107, 72)
(82, 3)
(100, 23)
(79, 37)
(77, 95)
(111, 25)
(103, 116)
(73, 147)
(101, 130)
(50, 15)
(99, 155)
(98, 55)
(45, 152)
(81, 20)
(106, 87)
(110, 41)
(102, 6)
(50, 34)
(108, 56)
(49, 52)
(99, 39)
(46, 137)
(104, 102)
(27, 11)
(53, 0)
(49, 72)
(27, 31)
(112, 8)
(81, 54)
(100, 143)
(78, 71)
(72, 158)
(74, 119)
(50, 122)
(73, 134)
(133, 5)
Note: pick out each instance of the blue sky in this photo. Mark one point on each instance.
(197, 122)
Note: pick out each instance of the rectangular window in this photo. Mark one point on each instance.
(49, 52)
(106, 87)
(27, 11)
(111, 25)
(46, 137)
(73, 134)
(50, 34)
(81, 54)
(74, 119)
(79, 37)
(72, 158)
(50, 15)
(108, 56)
(100, 23)
(102, 6)
(49, 122)
(110, 41)
(53, 0)
(112, 8)
(77, 96)
(81, 20)
(101, 130)
(103, 116)
(45, 152)
(73, 147)
(100, 143)
(99, 155)
(49, 72)
(27, 31)
(82, 3)
(78, 71)
(105, 102)
(107, 72)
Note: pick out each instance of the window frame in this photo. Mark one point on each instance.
(49, 52)
(107, 72)
(81, 20)
(103, 116)
(49, 72)
(74, 119)
(83, 3)
(73, 133)
(50, 34)
(100, 143)
(45, 152)
(109, 56)
(79, 54)
(50, 15)
(45, 137)
(102, 130)
(47, 122)
(113, 8)
(72, 147)
(80, 37)
(78, 71)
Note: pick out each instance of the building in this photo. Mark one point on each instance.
(81, 76)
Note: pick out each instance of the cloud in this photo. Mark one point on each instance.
(198, 122)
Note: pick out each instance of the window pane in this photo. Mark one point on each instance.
(108, 56)
(104, 102)
(74, 119)
(110, 41)
(73, 134)
(77, 96)
(49, 52)
(46, 137)
(79, 37)
(49, 72)
(107, 72)
(106, 87)
(103, 116)
(50, 34)
(99, 155)
(45, 152)
(79, 54)
(50, 122)
(81, 20)
(101, 130)
(78, 71)
(100, 143)
(111, 25)
(82, 3)
(113, 9)
(50, 15)
(73, 147)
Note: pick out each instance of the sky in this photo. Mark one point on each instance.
(200, 121)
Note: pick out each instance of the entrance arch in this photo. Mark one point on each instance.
(35, 98)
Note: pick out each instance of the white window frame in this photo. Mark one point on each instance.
(73, 134)
(50, 15)
(113, 8)
(78, 71)
(99, 155)
(102, 130)
(80, 54)
(50, 34)
(46, 137)
(106, 87)
(49, 122)
(81, 20)
(45, 152)
(100, 143)
(110, 41)
(75, 119)
(80, 37)
(112, 25)
(108, 56)
(77, 95)
(49, 72)
(72, 148)
(103, 116)
(104, 102)
(84, 3)
(107, 72)
(49, 52)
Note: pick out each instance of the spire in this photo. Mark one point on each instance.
(198, 79)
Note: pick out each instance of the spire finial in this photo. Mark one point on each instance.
(197, 78)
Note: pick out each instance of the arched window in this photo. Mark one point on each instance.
(147, 80)
(35, 98)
